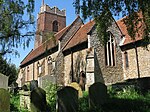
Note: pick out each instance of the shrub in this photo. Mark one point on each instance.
(51, 90)
(128, 93)
(83, 103)
(15, 104)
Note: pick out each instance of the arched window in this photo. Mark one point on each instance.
(55, 26)
(110, 51)
(39, 69)
(126, 60)
(28, 73)
(50, 65)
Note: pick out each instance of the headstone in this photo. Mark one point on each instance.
(38, 100)
(33, 85)
(4, 100)
(67, 100)
(24, 99)
(77, 87)
(97, 95)
(3, 81)
(44, 80)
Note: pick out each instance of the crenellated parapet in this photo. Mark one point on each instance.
(53, 10)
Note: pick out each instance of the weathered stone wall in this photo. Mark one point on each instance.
(103, 73)
(59, 68)
(73, 29)
(33, 69)
(59, 65)
(79, 64)
(143, 60)
(67, 69)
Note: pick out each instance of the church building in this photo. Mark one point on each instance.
(65, 54)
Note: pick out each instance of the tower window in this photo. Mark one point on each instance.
(110, 51)
(55, 26)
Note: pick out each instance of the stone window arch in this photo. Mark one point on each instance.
(110, 51)
(55, 26)
(39, 69)
(126, 60)
(50, 65)
(28, 71)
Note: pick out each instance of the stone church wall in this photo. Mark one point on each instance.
(59, 69)
(143, 60)
(74, 28)
(103, 73)
(79, 64)
(32, 73)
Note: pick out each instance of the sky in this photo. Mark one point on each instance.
(61, 4)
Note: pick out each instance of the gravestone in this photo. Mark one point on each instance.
(67, 100)
(97, 95)
(38, 100)
(33, 85)
(24, 99)
(3, 81)
(77, 87)
(43, 81)
(4, 100)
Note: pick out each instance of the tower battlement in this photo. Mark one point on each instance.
(53, 10)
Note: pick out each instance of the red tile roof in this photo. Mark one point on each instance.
(123, 28)
(49, 44)
(43, 47)
(80, 36)
(60, 33)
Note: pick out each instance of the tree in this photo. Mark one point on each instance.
(14, 26)
(9, 70)
(104, 10)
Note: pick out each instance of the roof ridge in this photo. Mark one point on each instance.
(70, 38)
(62, 29)
(72, 24)
(26, 56)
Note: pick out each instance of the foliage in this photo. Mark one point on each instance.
(128, 93)
(9, 70)
(51, 90)
(125, 100)
(15, 103)
(83, 103)
(14, 27)
(103, 12)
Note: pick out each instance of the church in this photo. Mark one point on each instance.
(65, 54)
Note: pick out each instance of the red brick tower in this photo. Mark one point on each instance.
(49, 20)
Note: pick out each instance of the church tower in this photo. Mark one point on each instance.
(49, 20)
